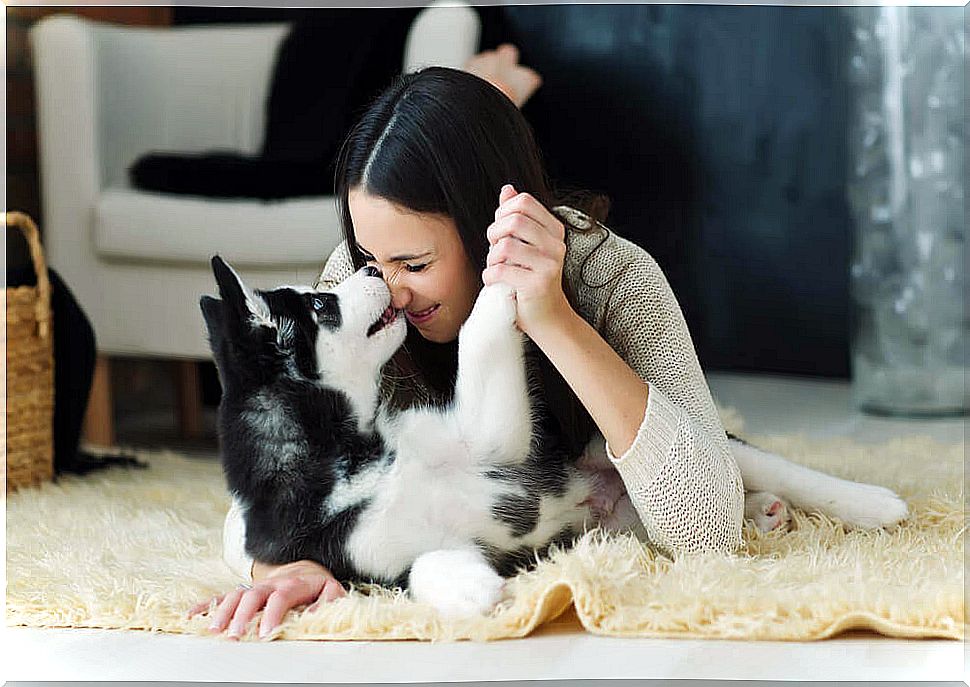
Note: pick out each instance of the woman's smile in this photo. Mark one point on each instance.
(420, 317)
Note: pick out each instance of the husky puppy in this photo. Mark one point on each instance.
(444, 501)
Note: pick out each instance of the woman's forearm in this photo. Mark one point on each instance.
(611, 391)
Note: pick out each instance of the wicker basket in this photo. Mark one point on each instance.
(29, 339)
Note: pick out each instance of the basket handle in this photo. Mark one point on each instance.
(29, 229)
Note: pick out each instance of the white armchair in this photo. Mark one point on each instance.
(138, 261)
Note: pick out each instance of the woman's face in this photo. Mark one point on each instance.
(423, 262)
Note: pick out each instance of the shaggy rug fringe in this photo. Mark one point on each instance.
(135, 549)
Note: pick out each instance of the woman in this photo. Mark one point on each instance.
(441, 187)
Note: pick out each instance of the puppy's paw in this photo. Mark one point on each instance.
(495, 307)
(458, 583)
(766, 510)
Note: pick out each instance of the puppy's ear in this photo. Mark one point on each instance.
(214, 320)
(239, 301)
(231, 287)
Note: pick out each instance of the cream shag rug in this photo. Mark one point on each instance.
(135, 549)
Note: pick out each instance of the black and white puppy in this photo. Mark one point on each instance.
(444, 501)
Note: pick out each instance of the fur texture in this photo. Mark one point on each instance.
(134, 549)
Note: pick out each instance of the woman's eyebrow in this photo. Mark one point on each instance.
(396, 258)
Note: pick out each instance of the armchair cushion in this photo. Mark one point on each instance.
(326, 71)
(139, 226)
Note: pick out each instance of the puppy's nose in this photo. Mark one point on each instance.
(372, 271)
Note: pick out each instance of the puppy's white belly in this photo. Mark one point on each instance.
(415, 510)
(418, 510)
(432, 497)
(435, 496)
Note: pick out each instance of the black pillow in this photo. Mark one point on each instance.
(328, 69)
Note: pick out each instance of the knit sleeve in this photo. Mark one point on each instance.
(679, 472)
(337, 268)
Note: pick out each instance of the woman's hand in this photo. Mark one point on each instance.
(281, 589)
(501, 68)
(527, 249)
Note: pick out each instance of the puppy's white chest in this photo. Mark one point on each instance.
(434, 496)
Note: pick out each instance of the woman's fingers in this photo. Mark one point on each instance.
(288, 586)
(286, 598)
(277, 606)
(523, 255)
(520, 226)
(527, 205)
(504, 252)
(525, 230)
(333, 590)
(285, 588)
(203, 606)
(225, 610)
(519, 278)
(251, 602)
(505, 194)
(543, 253)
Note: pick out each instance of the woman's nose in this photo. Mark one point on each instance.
(372, 271)
(400, 296)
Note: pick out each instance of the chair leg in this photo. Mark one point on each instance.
(190, 399)
(99, 426)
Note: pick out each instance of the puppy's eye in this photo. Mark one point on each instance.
(325, 308)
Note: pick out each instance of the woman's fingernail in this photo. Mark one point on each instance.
(235, 630)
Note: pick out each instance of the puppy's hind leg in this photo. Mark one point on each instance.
(492, 405)
(866, 506)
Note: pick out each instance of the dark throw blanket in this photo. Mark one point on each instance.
(328, 68)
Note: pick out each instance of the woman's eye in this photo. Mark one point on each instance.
(415, 268)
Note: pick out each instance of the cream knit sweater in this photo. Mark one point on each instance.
(679, 472)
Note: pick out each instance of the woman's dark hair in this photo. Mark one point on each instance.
(444, 141)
